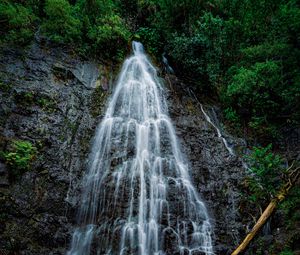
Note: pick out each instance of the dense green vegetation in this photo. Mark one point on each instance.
(92, 27)
(269, 180)
(17, 23)
(268, 170)
(244, 53)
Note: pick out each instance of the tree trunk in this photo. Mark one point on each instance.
(261, 221)
(293, 177)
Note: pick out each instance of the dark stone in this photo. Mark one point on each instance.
(216, 174)
(3, 175)
(47, 103)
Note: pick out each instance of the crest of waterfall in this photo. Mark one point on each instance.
(137, 194)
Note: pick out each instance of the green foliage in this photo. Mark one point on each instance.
(266, 50)
(288, 20)
(257, 94)
(104, 31)
(96, 9)
(151, 39)
(290, 206)
(16, 23)
(263, 86)
(293, 200)
(252, 87)
(267, 168)
(231, 115)
(110, 36)
(94, 26)
(286, 252)
(199, 54)
(47, 104)
(176, 15)
(19, 157)
(61, 24)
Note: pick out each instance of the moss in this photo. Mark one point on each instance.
(5, 87)
(98, 101)
(47, 104)
(191, 107)
(15, 237)
(85, 140)
(32, 98)
(3, 209)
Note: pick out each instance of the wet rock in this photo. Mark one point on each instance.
(87, 73)
(3, 176)
(215, 172)
(48, 102)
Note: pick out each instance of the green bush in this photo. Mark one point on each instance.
(252, 87)
(20, 157)
(245, 52)
(267, 168)
(17, 23)
(61, 24)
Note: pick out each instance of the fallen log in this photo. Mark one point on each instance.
(293, 177)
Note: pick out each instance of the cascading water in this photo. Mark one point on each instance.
(137, 194)
(208, 119)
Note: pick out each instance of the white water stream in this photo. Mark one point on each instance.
(137, 194)
(208, 119)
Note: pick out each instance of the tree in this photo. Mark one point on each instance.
(17, 23)
(61, 24)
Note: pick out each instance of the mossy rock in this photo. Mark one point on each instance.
(98, 101)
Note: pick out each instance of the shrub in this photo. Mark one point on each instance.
(267, 168)
(20, 157)
(290, 207)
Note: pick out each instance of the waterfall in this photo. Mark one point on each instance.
(208, 119)
(137, 194)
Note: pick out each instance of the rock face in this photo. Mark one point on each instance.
(52, 100)
(217, 174)
(55, 100)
